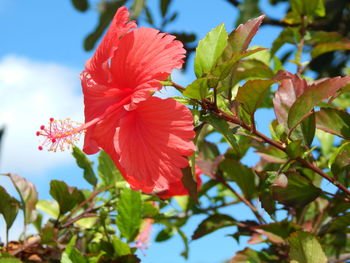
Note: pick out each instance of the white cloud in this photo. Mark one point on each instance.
(30, 93)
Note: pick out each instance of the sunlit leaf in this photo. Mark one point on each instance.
(209, 50)
(129, 216)
(49, 207)
(334, 121)
(107, 171)
(304, 248)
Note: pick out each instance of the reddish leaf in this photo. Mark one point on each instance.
(312, 96)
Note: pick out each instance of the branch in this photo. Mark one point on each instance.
(223, 115)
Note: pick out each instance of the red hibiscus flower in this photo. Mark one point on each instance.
(148, 138)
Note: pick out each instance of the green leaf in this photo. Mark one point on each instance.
(252, 93)
(28, 195)
(129, 216)
(107, 171)
(190, 183)
(334, 121)
(304, 248)
(221, 126)
(339, 224)
(8, 207)
(165, 234)
(81, 5)
(328, 47)
(213, 223)
(313, 95)
(209, 50)
(252, 256)
(298, 193)
(137, 7)
(242, 175)
(199, 89)
(49, 207)
(67, 197)
(294, 149)
(120, 248)
(308, 7)
(84, 163)
(164, 6)
(340, 163)
(71, 254)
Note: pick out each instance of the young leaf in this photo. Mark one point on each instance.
(334, 121)
(84, 163)
(304, 248)
(213, 223)
(199, 89)
(120, 248)
(240, 38)
(67, 197)
(252, 93)
(28, 195)
(129, 216)
(8, 207)
(313, 95)
(209, 50)
(49, 207)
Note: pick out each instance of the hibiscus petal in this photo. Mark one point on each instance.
(153, 141)
(143, 58)
(98, 64)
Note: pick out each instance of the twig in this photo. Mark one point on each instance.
(255, 211)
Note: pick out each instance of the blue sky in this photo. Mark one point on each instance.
(41, 56)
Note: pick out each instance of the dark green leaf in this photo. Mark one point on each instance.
(334, 121)
(209, 50)
(149, 16)
(304, 248)
(164, 6)
(165, 234)
(84, 163)
(81, 5)
(213, 223)
(67, 197)
(339, 224)
(308, 128)
(137, 7)
(190, 183)
(340, 163)
(288, 35)
(8, 207)
(242, 175)
(313, 95)
(298, 193)
(28, 195)
(252, 93)
(129, 216)
(252, 256)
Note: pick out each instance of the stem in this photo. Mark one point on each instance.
(255, 211)
(223, 115)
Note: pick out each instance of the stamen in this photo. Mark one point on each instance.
(60, 135)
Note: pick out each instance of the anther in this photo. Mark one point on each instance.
(40, 148)
(42, 127)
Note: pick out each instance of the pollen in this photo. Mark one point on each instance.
(59, 134)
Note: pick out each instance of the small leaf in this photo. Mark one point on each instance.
(334, 121)
(252, 93)
(340, 163)
(164, 6)
(247, 10)
(165, 234)
(199, 89)
(67, 197)
(8, 207)
(84, 163)
(137, 7)
(129, 216)
(328, 47)
(28, 195)
(209, 50)
(304, 248)
(294, 149)
(213, 223)
(313, 95)
(242, 175)
(298, 193)
(120, 248)
(190, 183)
(81, 5)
